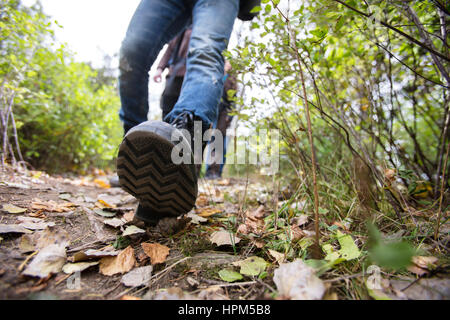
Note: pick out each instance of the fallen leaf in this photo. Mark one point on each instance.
(243, 229)
(92, 254)
(34, 223)
(252, 266)
(279, 257)
(104, 213)
(207, 212)
(13, 228)
(224, 237)
(26, 244)
(48, 261)
(52, 206)
(202, 200)
(127, 297)
(349, 250)
(422, 264)
(122, 263)
(296, 233)
(137, 277)
(70, 268)
(425, 262)
(10, 208)
(115, 222)
(157, 252)
(174, 293)
(230, 275)
(102, 184)
(130, 230)
(300, 220)
(223, 182)
(297, 281)
(389, 174)
(128, 216)
(52, 235)
(108, 200)
(417, 270)
(65, 196)
(195, 218)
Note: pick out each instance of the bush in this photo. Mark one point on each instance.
(65, 113)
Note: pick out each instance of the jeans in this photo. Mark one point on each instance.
(154, 24)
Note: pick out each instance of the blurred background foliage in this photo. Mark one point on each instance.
(56, 114)
(377, 80)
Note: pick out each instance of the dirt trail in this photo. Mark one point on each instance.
(81, 206)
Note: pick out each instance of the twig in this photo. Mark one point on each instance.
(26, 260)
(317, 250)
(223, 285)
(443, 181)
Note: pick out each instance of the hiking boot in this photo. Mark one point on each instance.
(146, 170)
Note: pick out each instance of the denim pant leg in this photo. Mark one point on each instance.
(154, 23)
(213, 22)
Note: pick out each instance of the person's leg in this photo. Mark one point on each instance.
(213, 169)
(170, 95)
(154, 23)
(213, 22)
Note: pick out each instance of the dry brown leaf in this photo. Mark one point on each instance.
(207, 212)
(92, 254)
(223, 182)
(243, 229)
(389, 174)
(416, 270)
(128, 216)
(122, 263)
(258, 243)
(224, 237)
(49, 260)
(424, 262)
(278, 256)
(202, 200)
(296, 233)
(157, 252)
(300, 220)
(42, 239)
(52, 206)
(257, 214)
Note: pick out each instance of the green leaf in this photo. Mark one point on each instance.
(252, 266)
(331, 254)
(256, 9)
(230, 275)
(104, 213)
(349, 250)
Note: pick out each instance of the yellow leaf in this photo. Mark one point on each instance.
(102, 184)
(10, 208)
(207, 212)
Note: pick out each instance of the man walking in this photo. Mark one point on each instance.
(148, 163)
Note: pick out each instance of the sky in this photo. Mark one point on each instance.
(91, 28)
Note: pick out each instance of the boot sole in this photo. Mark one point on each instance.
(146, 171)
